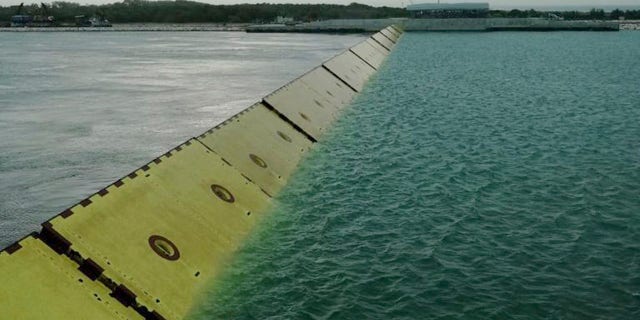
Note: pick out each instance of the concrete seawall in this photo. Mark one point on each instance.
(147, 245)
(491, 24)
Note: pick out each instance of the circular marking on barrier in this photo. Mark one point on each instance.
(304, 116)
(284, 137)
(222, 193)
(164, 247)
(258, 161)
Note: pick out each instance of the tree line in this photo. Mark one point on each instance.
(181, 11)
(188, 11)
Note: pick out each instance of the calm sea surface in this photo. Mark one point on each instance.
(480, 176)
(80, 110)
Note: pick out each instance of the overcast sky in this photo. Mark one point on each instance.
(395, 3)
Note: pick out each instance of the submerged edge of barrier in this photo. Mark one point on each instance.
(145, 246)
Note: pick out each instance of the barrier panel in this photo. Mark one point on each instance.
(395, 32)
(146, 246)
(384, 41)
(38, 283)
(261, 145)
(389, 35)
(351, 69)
(329, 86)
(397, 28)
(305, 107)
(167, 228)
(369, 54)
(378, 46)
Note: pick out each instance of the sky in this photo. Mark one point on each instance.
(497, 4)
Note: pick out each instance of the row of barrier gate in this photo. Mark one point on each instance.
(146, 245)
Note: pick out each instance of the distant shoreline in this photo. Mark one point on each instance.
(138, 27)
(212, 27)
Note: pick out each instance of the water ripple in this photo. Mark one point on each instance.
(496, 177)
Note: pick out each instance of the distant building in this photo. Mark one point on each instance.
(283, 20)
(449, 10)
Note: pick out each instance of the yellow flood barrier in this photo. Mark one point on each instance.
(390, 35)
(163, 231)
(38, 283)
(371, 55)
(259, 144)
(305, 107)
(146, 246)
(393, 31)
(378, 46)
(383, 40)
(329, 86)
(351, 69)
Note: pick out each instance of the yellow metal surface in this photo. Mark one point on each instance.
(327, 85)
(396, 28)
(351, 69)
(393, 31)
(37, 284)
(383, 40)
(389, 35)
(305, 107)
(377, 46)
(172, 198)
(260, 132)
(369, 54)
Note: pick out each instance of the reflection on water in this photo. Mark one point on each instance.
(79, 110)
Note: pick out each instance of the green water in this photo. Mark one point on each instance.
(483, 175)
